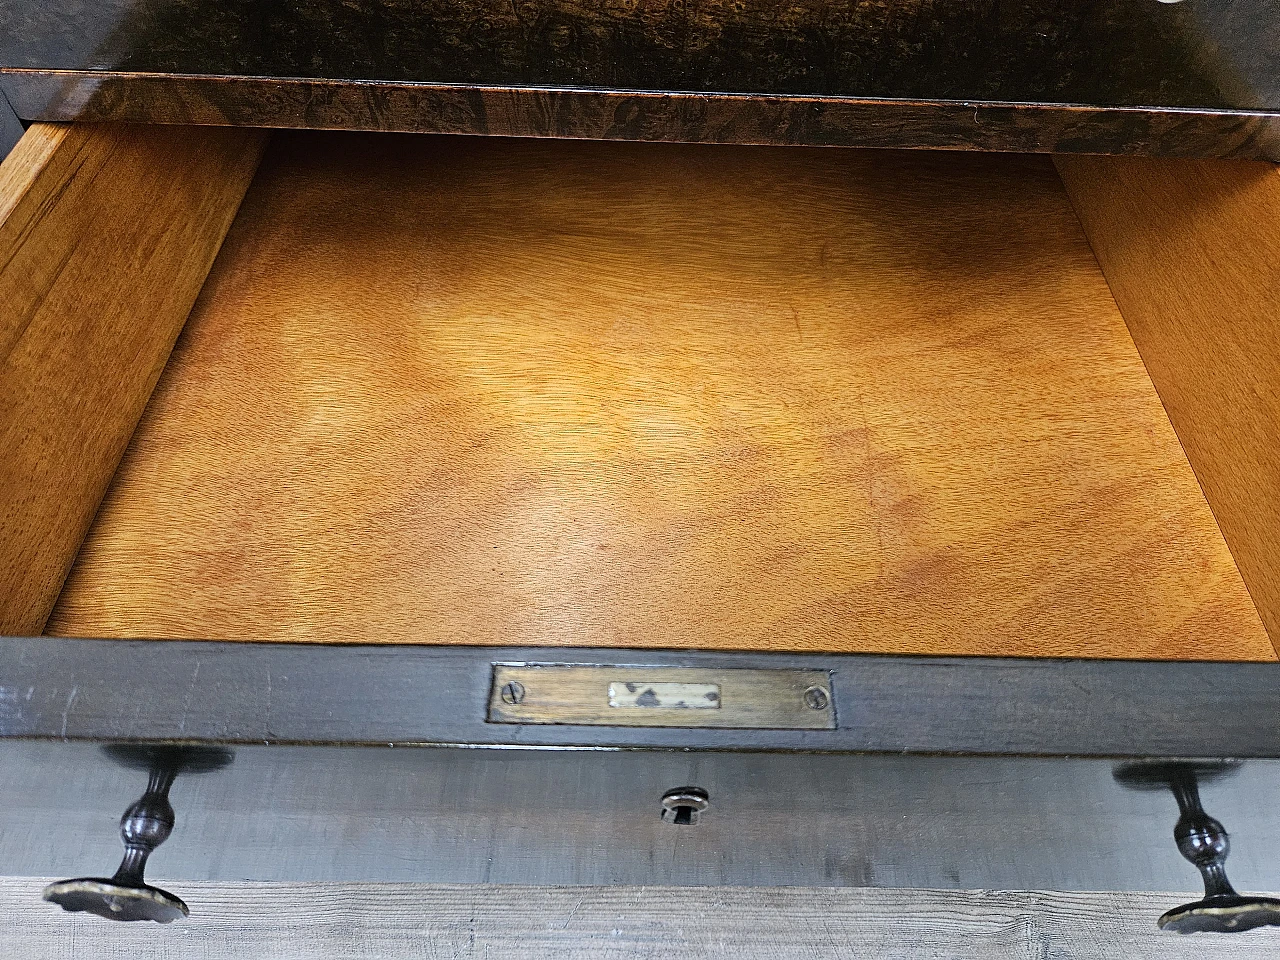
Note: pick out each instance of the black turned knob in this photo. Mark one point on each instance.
(1204, 842)
(145, 825)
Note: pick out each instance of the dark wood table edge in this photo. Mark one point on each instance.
(644, 115)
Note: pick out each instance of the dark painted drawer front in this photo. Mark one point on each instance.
(292, 762)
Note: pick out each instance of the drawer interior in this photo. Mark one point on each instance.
(474, 390)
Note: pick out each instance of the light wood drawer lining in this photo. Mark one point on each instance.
(106, 236)
(1192, 253)
(455, 390)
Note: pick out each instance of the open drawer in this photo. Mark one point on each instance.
(520, 394)
(486, 391)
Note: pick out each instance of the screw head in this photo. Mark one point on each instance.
(512, 691)
(815, 698)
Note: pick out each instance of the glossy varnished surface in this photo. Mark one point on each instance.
(449, 391)
(639, 115)
(489, 66)
(1205, 53)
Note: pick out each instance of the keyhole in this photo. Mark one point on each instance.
(683, 806)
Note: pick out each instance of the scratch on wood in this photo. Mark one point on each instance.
(572, 911)
(66, 711)
(186, 703)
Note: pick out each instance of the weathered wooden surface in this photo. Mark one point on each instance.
(419, 694)
(355, 922)
(455, 390)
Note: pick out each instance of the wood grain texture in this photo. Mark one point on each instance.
(106, 236)
(1192, 253)
(604, 114)
(1219, 55)
(390, 921)
(546, 393)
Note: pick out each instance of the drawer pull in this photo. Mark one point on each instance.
(1204, 842)
(145, 825)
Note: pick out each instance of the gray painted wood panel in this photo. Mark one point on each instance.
(558, 818)
(420, 694)
(392, 921)
(10, 128)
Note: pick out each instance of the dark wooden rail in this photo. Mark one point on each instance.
(1195, 78)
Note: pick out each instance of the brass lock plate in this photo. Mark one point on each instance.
(640, 696)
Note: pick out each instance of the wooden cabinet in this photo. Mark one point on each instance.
(306, 432)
